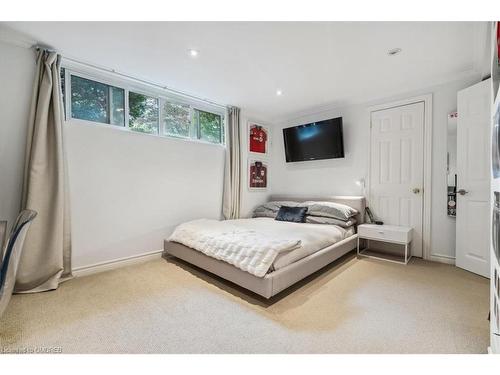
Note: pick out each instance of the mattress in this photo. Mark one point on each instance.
(313, 237)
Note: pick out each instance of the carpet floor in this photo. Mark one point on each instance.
(352, 306)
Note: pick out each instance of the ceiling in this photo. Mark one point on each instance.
(243, 63)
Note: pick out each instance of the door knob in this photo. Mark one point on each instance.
(416, 190)
(462, 192)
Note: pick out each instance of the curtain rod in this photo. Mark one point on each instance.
(139, 80)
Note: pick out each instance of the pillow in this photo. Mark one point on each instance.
(292, 214)
(258, 212)
(330, 209)
(270, 209)
(330, 220)
(276, 205)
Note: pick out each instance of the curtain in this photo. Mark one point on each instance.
(46, 257)
(231, 196)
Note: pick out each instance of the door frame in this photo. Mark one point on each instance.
(427, 160)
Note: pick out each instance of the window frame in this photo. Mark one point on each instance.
(162, 96)
(198, 126)
(174, 101)
(128, 113)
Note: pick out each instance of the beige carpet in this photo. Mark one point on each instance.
(353, 306)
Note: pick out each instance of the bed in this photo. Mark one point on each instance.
(290, 266)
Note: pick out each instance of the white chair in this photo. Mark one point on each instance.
(11, 256)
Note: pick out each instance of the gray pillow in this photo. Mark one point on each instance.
(270, 209)
(330, 209)
(330, 220)
(276, 205)
(264, 212)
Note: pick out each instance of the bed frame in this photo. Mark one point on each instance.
(276, 281)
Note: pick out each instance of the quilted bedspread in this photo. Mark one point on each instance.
(249, 250)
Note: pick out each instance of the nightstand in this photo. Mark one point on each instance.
(385, 233)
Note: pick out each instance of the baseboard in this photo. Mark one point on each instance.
(442, 259)
(116, 263)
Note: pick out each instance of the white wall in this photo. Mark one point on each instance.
(17, 67)
(338, 176)
(251, 198)
(129, 190)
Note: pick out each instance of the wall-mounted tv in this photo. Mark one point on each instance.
(314, 141)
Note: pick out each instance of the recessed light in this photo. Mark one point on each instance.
(279, 92)
(394, 51)
(193, 53)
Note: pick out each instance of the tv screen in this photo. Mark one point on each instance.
(315, 141)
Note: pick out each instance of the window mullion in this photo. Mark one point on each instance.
(126, 109)
(192, 121)
(161, 130)
(110, 99)
(68, 94)
(220, 129)
(158, 101)
(198, 127)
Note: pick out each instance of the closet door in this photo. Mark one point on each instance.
(473, 181)
(397, 168)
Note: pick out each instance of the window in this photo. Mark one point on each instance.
(98, 102)
(117, 106)
(182, 120)
(210, 126)
(143, 113)
(91, 100)
(176, 119)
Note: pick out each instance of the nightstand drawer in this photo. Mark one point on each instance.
(385, 232)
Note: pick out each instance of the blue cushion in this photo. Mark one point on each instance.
(292, 214)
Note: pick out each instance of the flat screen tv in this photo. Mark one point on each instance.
(315, 141)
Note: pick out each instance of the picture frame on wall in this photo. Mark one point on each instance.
(257, 172)
(258, 137)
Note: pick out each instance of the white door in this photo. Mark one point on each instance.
(397, 168)
(473, 179)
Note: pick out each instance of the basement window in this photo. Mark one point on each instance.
(177, 120)
(143, 113)
(132, 108)
(97, 102)
(209, 126)
(186, 121)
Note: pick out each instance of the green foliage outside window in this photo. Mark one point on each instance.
(95, 101)
(210, 127)
(177, 119)
(180, 121)
(143, 113)
(89, 100)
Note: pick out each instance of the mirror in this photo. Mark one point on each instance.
(451, 173)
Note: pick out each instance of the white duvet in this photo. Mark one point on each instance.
(255, 245)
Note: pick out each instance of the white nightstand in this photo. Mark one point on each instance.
(385, 233)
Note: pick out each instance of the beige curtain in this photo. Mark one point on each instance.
(46, 257)
(232, 172)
